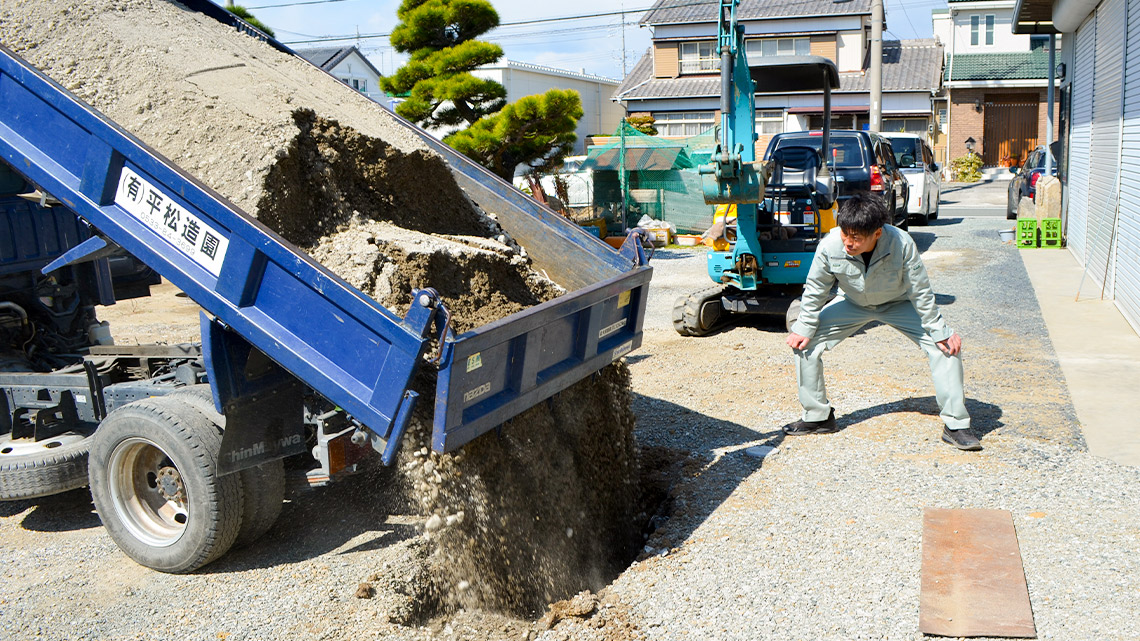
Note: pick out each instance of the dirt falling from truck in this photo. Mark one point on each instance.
(538, 511)
(535, 513)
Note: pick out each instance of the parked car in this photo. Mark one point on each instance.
(863, 160)
(1025, 177)
(916, 162)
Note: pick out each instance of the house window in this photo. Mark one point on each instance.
(941, 120)
(683, 123)
(699, 57)
(768, 47)
(769, 121)
(1038, 43)
(976, 30)
(905, 125)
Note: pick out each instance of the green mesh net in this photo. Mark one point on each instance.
(645, 175)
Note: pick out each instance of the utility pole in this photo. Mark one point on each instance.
(624, 71)
(876, 65)
(876, 70)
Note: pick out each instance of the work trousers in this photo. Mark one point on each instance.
(841, 318)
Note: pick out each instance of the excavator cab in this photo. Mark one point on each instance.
(784, 204)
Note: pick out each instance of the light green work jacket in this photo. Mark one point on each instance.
(896, 273)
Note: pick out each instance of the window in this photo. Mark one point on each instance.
(1038, 43)
(905, 125)
(941, 120)
(975, 21)
(769, 121)
(699, 57)
(683, 123)
(908, 152)
(777, 47)
(989, 30)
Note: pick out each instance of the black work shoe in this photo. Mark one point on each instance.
(801, 427)
(961, 439)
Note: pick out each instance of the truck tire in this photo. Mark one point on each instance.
(31, 469)
(263, 486)
(152, 470)
(698, 313)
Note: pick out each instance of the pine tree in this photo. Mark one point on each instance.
(440, 38)
(535, 130)
(244, 14)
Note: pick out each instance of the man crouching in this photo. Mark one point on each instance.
(881, 278)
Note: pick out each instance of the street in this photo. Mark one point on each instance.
(983, 198)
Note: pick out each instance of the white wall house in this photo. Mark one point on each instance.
(349, 66)
(995, 82)
(599, 114)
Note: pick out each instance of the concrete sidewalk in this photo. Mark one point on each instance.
(1098, 350)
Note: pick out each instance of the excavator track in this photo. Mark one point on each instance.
(699, 313)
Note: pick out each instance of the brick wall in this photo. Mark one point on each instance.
(966, 121)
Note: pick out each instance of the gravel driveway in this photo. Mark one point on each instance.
(819, 540)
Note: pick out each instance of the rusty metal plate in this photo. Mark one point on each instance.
(973, 583)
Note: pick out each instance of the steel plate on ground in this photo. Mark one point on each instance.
(973, 583)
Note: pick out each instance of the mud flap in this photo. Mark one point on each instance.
(262, 402)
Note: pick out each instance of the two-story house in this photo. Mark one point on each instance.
(349, 66)
(677, 81)
(599, 114)
(995, 81)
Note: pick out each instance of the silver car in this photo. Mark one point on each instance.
(916, 162)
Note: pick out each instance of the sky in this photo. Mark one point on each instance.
(593, 45)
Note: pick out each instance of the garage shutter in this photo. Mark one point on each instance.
(1081, 129)
(1104, 148)
(1128, 232)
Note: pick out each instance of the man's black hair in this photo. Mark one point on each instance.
(863, 213)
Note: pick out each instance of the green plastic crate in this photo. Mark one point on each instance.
(1026, 233)
(1051, 232)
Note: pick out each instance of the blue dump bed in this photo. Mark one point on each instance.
(260, 290)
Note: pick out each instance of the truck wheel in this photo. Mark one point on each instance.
(31, 469)
(154, 482)
(263, 486)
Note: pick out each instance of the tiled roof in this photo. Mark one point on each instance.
(1026, 65)
(680, 11)
(325, 57)
(908, 65)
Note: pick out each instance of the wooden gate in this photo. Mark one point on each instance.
(1010, 127)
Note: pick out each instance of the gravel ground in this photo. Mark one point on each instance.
(819, 540)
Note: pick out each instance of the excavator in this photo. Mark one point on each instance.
(784, 205)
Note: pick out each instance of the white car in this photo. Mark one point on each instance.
(916, 162)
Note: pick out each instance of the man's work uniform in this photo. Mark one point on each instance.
(891, 288)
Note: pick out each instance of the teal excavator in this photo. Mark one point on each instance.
(784, 205)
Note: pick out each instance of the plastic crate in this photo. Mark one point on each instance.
(1026, 233)
(1051, 232)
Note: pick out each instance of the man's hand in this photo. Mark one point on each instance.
(951, 346)
(795, 341)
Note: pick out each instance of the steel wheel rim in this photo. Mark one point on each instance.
(147, 492)
(10, 447)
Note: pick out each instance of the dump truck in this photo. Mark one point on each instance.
(182, 445)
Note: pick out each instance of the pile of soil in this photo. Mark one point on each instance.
(543, 510)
